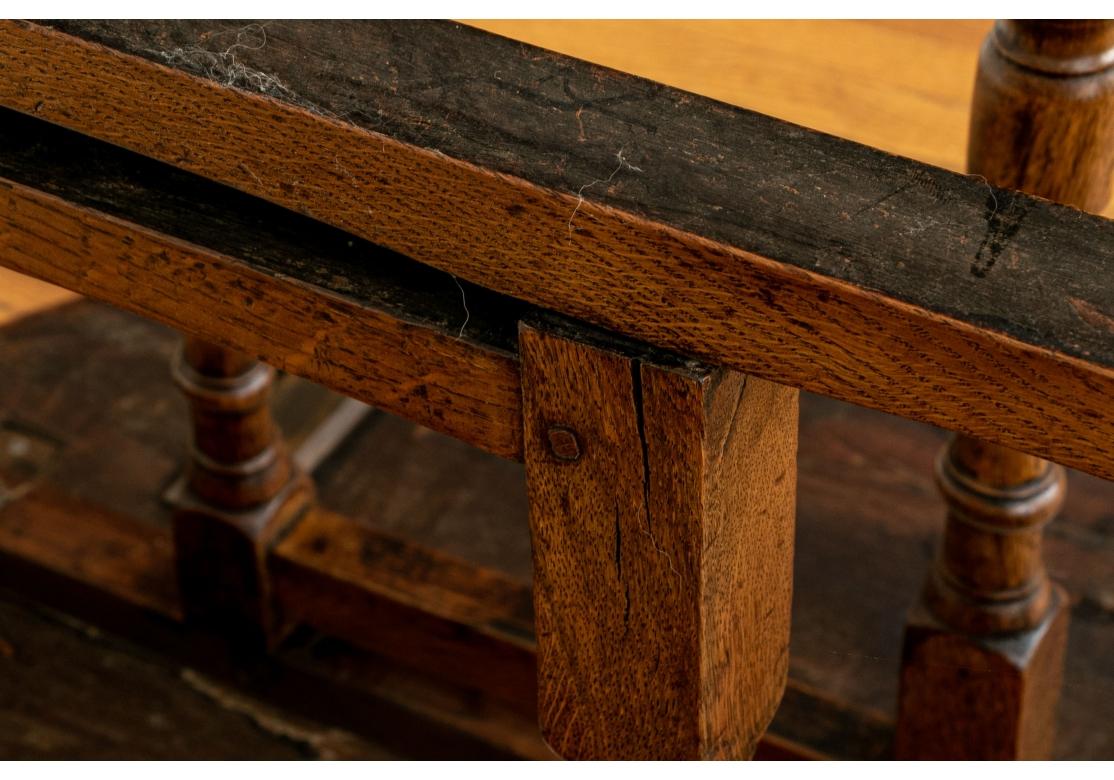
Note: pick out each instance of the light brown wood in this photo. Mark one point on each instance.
(1042, 401)
(446, 383)
(1043, 115)
(661, 510)
(984, 652)
(726, 305)
(897, 85)
(21, 295)
(855, 467)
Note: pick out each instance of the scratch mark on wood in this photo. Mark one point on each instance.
(1002, 224)
(640, 419)
(1091, 315)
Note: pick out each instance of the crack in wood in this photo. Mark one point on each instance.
(640, 422)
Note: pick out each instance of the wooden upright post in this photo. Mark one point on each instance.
(662, 511)
(984, 649)
(239, 490)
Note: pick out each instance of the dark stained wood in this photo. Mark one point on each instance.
(661, 512)
(239, 492)
(984, 651)
(419, 607)
(423, 373)
(92, 402)
(1042, 120)
(421, 715)
(405, 481)
(114, 553)
(57, 676)
(274, 240)
(291, 291)
(94, 380)
(980, 698)
(238, 458)
(990, 577)
(704, 229)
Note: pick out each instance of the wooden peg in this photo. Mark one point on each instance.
(661, 507)
(238, 492)
(983, 659)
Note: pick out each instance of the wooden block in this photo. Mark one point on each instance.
(221, 558)
(973, 698)
(661, 507)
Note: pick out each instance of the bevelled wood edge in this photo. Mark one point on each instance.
(643, 279)
(451, 385)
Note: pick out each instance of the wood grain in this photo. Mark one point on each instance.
(1043, 112)
(1041, 120)
(865, 80)
(421, 372)
(104, 573)
(661, 510)
(415, 605)
(897, 85)
(990, 699)
(742, 282)
(855, 466)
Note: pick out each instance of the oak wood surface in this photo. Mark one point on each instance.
(94, 377)
(422, 608)
(984, 652)
(1043, 110)
(661, 515)
(239, 491)
(903, 86)
(900, 86)
(267, 283)
(752, 299)
(988, 699)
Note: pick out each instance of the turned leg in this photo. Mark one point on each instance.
(239, 489)
(662, 509)
(984, 649)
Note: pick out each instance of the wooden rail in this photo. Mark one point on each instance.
(365, 206)
(217, 264)
(697, 227)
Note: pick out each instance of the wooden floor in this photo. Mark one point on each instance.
(868, 510)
